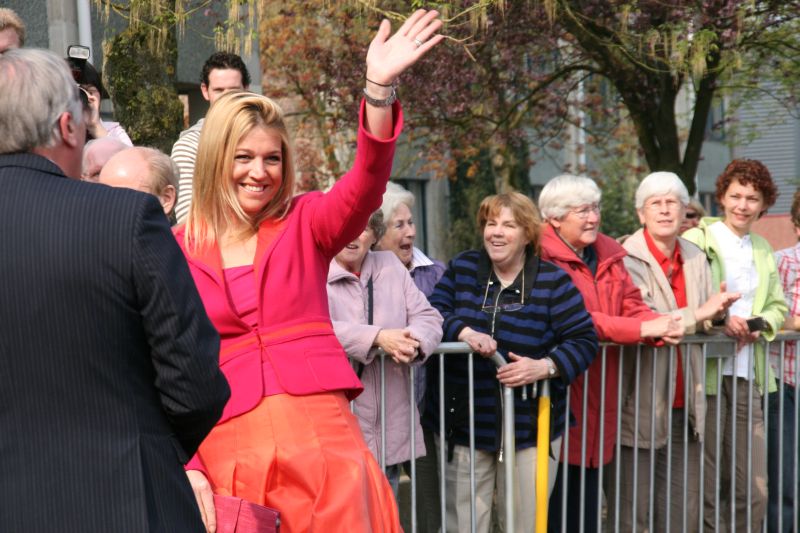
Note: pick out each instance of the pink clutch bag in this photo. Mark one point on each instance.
(235, 515)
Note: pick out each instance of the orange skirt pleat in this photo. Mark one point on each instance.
(306, 457)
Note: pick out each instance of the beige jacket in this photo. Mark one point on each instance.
(656, 292)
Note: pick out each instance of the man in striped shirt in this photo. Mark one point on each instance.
(222, 72)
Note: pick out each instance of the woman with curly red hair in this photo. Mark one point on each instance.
(744, 262)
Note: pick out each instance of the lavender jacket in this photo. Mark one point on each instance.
(398, 303)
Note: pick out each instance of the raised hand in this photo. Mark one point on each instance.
(716, 305)
(388, 57)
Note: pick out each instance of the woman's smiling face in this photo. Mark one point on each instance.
(257, 169)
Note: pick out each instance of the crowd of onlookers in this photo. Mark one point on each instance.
(546, 290)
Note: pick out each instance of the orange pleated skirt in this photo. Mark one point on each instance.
(306, 457)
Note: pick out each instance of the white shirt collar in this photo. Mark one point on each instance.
(419, 259)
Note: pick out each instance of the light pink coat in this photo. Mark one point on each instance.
(398, 303)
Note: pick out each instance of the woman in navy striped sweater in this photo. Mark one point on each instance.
(504, 298)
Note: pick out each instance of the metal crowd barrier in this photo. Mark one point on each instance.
(713, 347)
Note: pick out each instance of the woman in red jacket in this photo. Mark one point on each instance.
(260, 260)
(570, 239)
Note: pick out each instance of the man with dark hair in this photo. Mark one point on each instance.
(222, 72)
(109, 377)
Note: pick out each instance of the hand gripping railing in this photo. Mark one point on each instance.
(508, 452)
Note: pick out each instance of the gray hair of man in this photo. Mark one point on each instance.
(163, 169)
(394, 196)
(661, 184)
(566, 192)
(36, 87)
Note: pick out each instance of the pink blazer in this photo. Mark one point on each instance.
(293, 342)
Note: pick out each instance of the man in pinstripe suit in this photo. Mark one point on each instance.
(108, 371)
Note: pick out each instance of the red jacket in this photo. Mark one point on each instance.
(293, 342)
(617, 310)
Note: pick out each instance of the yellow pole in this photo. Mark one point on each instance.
(542, 456)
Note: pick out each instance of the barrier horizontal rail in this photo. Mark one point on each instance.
(713, 348)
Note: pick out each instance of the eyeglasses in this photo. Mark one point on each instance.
(692, 216)
(505, 307)
(583, 212)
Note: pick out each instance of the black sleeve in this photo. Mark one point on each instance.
(184, 344)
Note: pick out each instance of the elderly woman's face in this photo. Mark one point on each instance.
(352, 256)
(504, 239)
(579, 226)
(662, 216)
(400, 234)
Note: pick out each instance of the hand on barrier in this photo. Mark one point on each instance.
(205, 499)
(480, 343)
(522, 371)
(670, 328)
(398, 343)
(737, 328)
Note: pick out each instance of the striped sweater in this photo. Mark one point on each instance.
(184, 154)
(552, 322)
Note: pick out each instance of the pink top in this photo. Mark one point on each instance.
(240, 283)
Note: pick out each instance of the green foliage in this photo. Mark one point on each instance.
(141, 84)
(618, 216)
(472, 184)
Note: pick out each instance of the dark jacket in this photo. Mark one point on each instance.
(108, 370)
(552, 322)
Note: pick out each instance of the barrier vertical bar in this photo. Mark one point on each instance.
(734, 401)
(636, 413)
(565, 463)
(582, 486)
(413, 436)
(601, 449)
(717, 460)
(442, 448)
(668, 506)
(687, 373)
(652, 470)
(618, 445)
(509, 448)
(471, 387)
(702, 480)
(383, 411)
(796, 440)
(781, 429)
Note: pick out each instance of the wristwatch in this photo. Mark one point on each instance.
(551, 367)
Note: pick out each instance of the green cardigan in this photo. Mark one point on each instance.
(768, 303)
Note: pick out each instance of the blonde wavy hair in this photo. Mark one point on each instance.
(215, 207)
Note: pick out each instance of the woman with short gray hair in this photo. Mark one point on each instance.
(674, 277)
(400, 232)
(571, 239)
